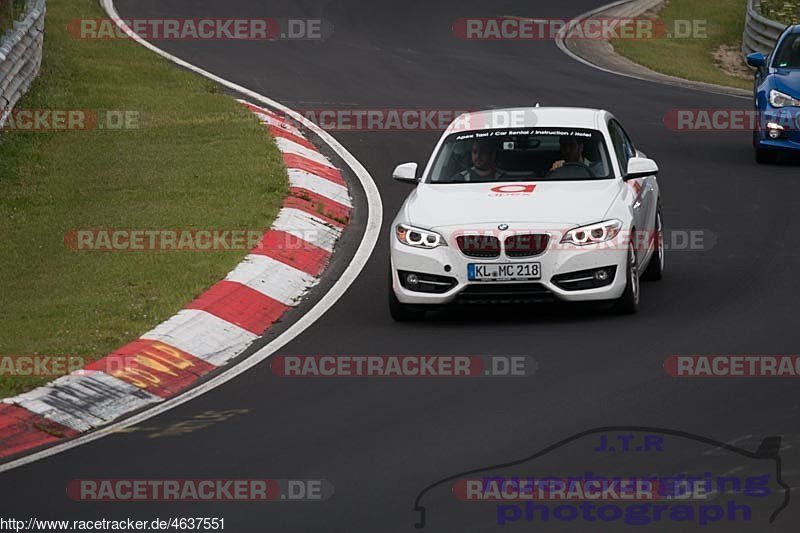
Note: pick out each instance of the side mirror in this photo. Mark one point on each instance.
(757, 60)
(407, 172)
(640, 167)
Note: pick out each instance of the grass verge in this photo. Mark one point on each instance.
(694, 58)
(786, 11)
(10, 11)
(196, 160)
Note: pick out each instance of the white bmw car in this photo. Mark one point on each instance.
(527, 205)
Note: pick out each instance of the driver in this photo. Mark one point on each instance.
(483, 165)
(572, 152)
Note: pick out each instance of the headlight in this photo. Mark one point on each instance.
(593, 233)
(779, 99)
(418, 237)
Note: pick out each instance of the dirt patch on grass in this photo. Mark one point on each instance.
(730, 60)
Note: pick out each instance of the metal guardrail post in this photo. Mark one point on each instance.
(20, 56)
(760, 33)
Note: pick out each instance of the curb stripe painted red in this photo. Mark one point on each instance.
(155, 366)
(303, 256)
(211, 330)
(22, 430)
(313, 167)
(319, 204)
(314, 210)
(240, 305)
(277, 131)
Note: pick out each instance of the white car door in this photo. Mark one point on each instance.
(643, 201)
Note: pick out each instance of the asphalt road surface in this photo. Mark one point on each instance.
(380, 442)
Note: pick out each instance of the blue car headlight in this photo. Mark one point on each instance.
(779, 99)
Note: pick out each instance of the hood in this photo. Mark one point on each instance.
(787, 81)
(555, 202)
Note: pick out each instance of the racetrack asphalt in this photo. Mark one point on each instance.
(381, 441)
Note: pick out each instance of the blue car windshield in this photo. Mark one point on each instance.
(788, 56)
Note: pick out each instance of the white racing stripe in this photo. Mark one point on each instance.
(267, 118)
(374, 217)
(307, 227)
(312, 182)
(84, 400)
(290, 147)
(272, 278)
(203, 335)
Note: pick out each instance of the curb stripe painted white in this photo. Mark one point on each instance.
(268, 117)
(203, 335)
(290, 147)
(307, 227)
(85, 399)
(351, 272)
(272, 121)
(273, 278)
(325, 187)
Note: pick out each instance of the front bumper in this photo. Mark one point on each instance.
(555, 261)
(789, 139)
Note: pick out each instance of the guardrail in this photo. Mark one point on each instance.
(760, 33)
(20, 56)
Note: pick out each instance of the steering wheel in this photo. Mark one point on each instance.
(576, 166)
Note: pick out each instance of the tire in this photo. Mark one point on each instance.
(628, 303)
(401, 312)
(655, 270)
(766, 157)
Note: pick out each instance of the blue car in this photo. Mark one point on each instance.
(777, 97)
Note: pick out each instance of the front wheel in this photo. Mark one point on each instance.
(628, 303)
(766, 157)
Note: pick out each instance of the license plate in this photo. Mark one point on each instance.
(503, 271)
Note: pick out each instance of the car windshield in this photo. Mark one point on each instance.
(788, 56)
(531, 154)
